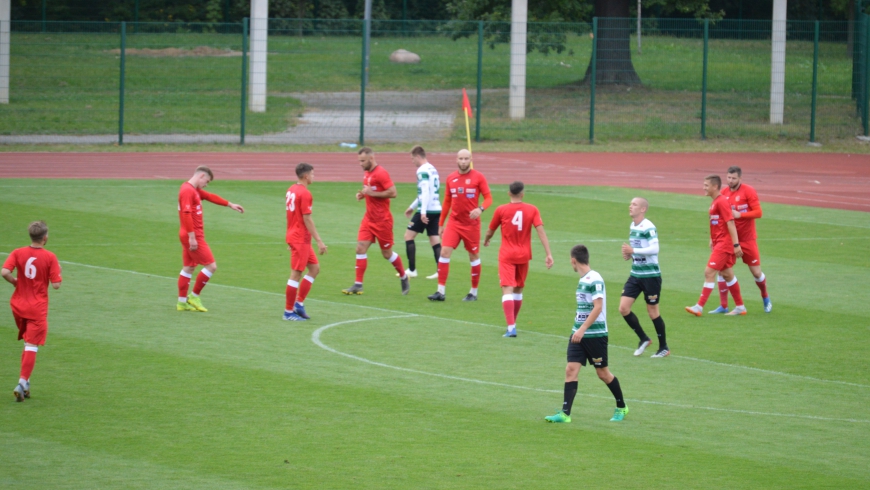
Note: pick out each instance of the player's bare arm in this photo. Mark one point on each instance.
(7, 274)
(236, 207)
(597, 305)
(309, 225)
(489, 234)
(542, 235)
(732, 231)
(191, 237)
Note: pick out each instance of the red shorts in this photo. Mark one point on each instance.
(32, 331)
(201, 256)
(721, 260)
(750, 253)
(382, 233)
(469, 235)
(301, 256)
(513, 275)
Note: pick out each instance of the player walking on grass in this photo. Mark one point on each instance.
(377, 224)
(462, 203)
(195, 250)
(426, 211)
(746, 209)
(516, 220)
(646, 277)
(724, 246)
(37, 267)
(588, 341)
(300, 230)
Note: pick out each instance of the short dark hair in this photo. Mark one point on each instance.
(714, 179)
(517, 187)
(581, 254)
(366, 150)
(204, 169)
(303, 168)
(418, 151)
(37, 230)
(734, 169)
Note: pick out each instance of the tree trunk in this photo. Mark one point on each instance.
(614, 65)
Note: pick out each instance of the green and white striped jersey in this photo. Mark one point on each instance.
(645, 242)
(428, 185)
(590, 288)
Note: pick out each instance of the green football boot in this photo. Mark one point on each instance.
(196, 303)
(559, 418)
(184, 306)
(619, 414)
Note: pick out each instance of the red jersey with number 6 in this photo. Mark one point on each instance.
(745, 201)
(516, 220)
(720, 215)
(36, 268)
(299, 203)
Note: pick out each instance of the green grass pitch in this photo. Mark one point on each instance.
(392, 391)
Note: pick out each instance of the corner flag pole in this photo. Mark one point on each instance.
(466, 109)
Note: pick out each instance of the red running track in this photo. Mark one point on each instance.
(810, 179)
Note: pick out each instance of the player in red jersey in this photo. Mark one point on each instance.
(746, 209)
(37, 267)
(516, 220)
(724, 246)
(300, 230)
(195, 250)
(377, 224)
(462, 203)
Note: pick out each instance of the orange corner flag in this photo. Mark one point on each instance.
(466, 104)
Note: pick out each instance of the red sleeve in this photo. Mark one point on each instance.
(385, 180)
(754, 205)
(484, 189)
(725, 210)
(187, 222)
(536, 219)
(54, 270)
(445, 208)
(213, 198)
(306, 201)
(496, 219)
(185, 207)
(9, 263)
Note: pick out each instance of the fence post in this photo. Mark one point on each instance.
(704, 81)
(479, 78)
(592, 80)
(362, 90)
(866, 88)
(244, 79)
(43, 15)
(136, 17)
(815, 82)
(121, 84)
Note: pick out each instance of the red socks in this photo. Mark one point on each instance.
(183, 285)
(201, 280)
(705, 293)
(723, 293)
(734, 288)
(443, 271)
(507, 304)
(761, 282)
(290, 295)
(362, 262)
(518, 303)
(304, 288)
(397, 263)
(475, 273)
(28, 360)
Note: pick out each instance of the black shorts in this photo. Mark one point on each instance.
(651, 287)
(593, 348)
(418, 226)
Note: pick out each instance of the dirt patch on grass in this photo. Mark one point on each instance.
(177, 52)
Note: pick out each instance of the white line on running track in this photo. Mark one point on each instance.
(374, 308)
(315, 337)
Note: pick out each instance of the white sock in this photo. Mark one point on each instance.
(22, 381)
(441, 289)
(473, 291)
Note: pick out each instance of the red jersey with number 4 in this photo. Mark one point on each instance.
(190, 208)
(378, 208)
(720, 215)
(745, 201)
(299, 203)
(516, 220)
(36, 268)
(464, 192)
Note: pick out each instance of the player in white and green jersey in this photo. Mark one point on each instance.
(588, 339)
(426, 211)
(643, 251)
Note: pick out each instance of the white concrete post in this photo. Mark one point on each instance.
(5, 25)
(777, 63)
(517, 101)
(259, 36)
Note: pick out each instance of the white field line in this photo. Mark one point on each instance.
(374, 308)
(315, 337)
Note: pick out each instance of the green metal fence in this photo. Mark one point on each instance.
(179, 82)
